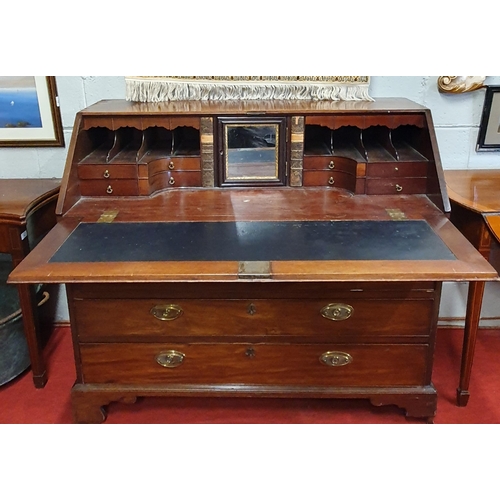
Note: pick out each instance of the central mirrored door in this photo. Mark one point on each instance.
(252, 151)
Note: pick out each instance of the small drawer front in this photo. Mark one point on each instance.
(403, 185)
(329, 318)
(330, 163)
(319, 365)
(109, 187)
(173, 165)
(339, 180)
(110, 172)
(173, 179)
(184, 163)
(395, 169)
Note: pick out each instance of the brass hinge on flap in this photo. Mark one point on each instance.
(108, 216)
(395, 214)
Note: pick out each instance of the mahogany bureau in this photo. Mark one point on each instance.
(260, 248)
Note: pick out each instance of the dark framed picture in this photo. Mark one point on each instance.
(489, 128)
(29, 112)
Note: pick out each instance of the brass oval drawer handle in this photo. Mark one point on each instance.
(331, 181)
(171, 181)
(331, 166)
(109, 190)
(337, 312)
(170, 359)
(333, 358)
(399, 188)
(169, 312)
(106, 174)
(171, 166)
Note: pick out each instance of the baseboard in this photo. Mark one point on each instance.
(485, 323)
(61, 324)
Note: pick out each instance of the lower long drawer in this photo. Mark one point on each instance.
(256, 364)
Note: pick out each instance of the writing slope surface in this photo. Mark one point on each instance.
(253, 241)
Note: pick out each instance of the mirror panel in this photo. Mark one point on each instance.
(252, 152)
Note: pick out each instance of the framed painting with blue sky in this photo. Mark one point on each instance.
(29, 112)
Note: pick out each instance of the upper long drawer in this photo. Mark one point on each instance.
(330, 318)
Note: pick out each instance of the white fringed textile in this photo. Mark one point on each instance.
(220, 88)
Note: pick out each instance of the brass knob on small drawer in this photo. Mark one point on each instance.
(333, 358)
(106, 174)
(171, 165)
(399, 188)
(171, 181)
(168, 312)
(109, 190)
(337, 312)
(331, 181)
(251, 309)
(170, 359)
(331, 165)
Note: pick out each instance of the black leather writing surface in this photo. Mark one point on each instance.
(253, 241)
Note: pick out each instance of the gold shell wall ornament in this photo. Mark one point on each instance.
(460, 84)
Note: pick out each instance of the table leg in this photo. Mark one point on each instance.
(473, 315)
(28, 305)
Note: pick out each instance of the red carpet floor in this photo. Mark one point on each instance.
(20, 402)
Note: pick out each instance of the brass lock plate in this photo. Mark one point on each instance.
(254, 270)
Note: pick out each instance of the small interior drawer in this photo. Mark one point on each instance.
(397, 169)
(398, 185)
(107, 171)
(108, 187)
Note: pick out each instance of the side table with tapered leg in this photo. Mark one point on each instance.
(475, 202)
(27, 213)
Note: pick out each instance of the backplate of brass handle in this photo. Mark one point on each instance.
(170, 359)
(337, 312)
(334, 358)
(167, 312)
(106, 174)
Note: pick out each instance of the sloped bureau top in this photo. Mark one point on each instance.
(124, 149)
